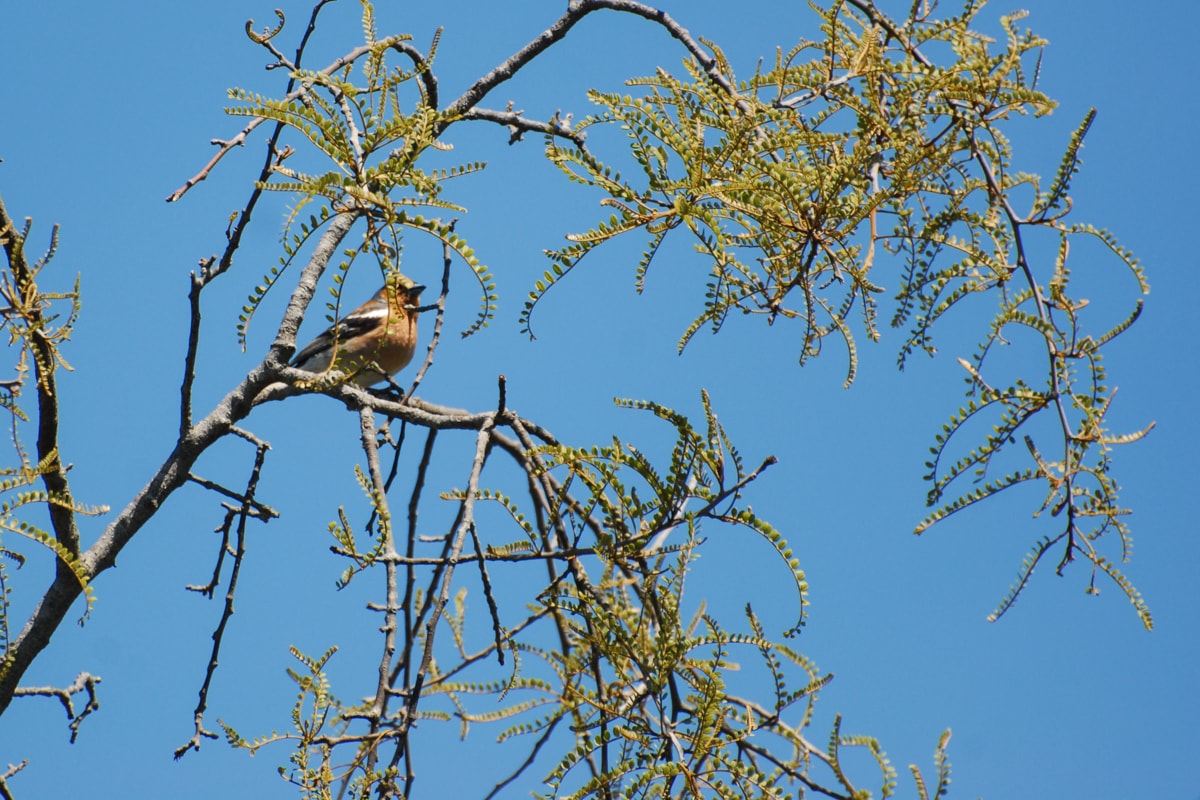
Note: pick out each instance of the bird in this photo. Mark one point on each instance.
(378, 337)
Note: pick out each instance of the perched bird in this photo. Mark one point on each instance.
(381, 334)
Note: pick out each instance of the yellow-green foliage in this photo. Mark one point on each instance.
(858, 142)
(368, 138)
(37, 325)
(850, 166)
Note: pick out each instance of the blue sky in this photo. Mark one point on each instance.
(111, 106)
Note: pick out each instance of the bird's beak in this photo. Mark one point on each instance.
(414, 296)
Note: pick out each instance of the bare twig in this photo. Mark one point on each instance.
(193, 346)
(241, 513)
(518, 125)
(252, 507)
(84, 682)
(493, 609)
(13, 769)
(370, 447)
(226, 145)
(577, 10)
(438, 604)
(447, 262)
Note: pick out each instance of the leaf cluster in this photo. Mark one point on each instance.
(366, 136)
(646, 693)
(792, 183)
(37, 325)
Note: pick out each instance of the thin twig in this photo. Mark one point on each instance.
(252, 507)
(241, 514)
(493, 609)
(13, 769)
(439, 318)
(226, 145)
(370, 447)
(84, 682)
(443, 597)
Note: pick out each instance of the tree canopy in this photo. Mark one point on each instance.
(858, 189)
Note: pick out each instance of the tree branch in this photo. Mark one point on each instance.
(84, 682)
(173, 473)
(54, 474)
(248, 508)
(577, 10)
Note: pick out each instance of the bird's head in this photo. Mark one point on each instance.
(403, 289)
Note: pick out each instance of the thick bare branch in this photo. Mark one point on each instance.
(173, 473)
